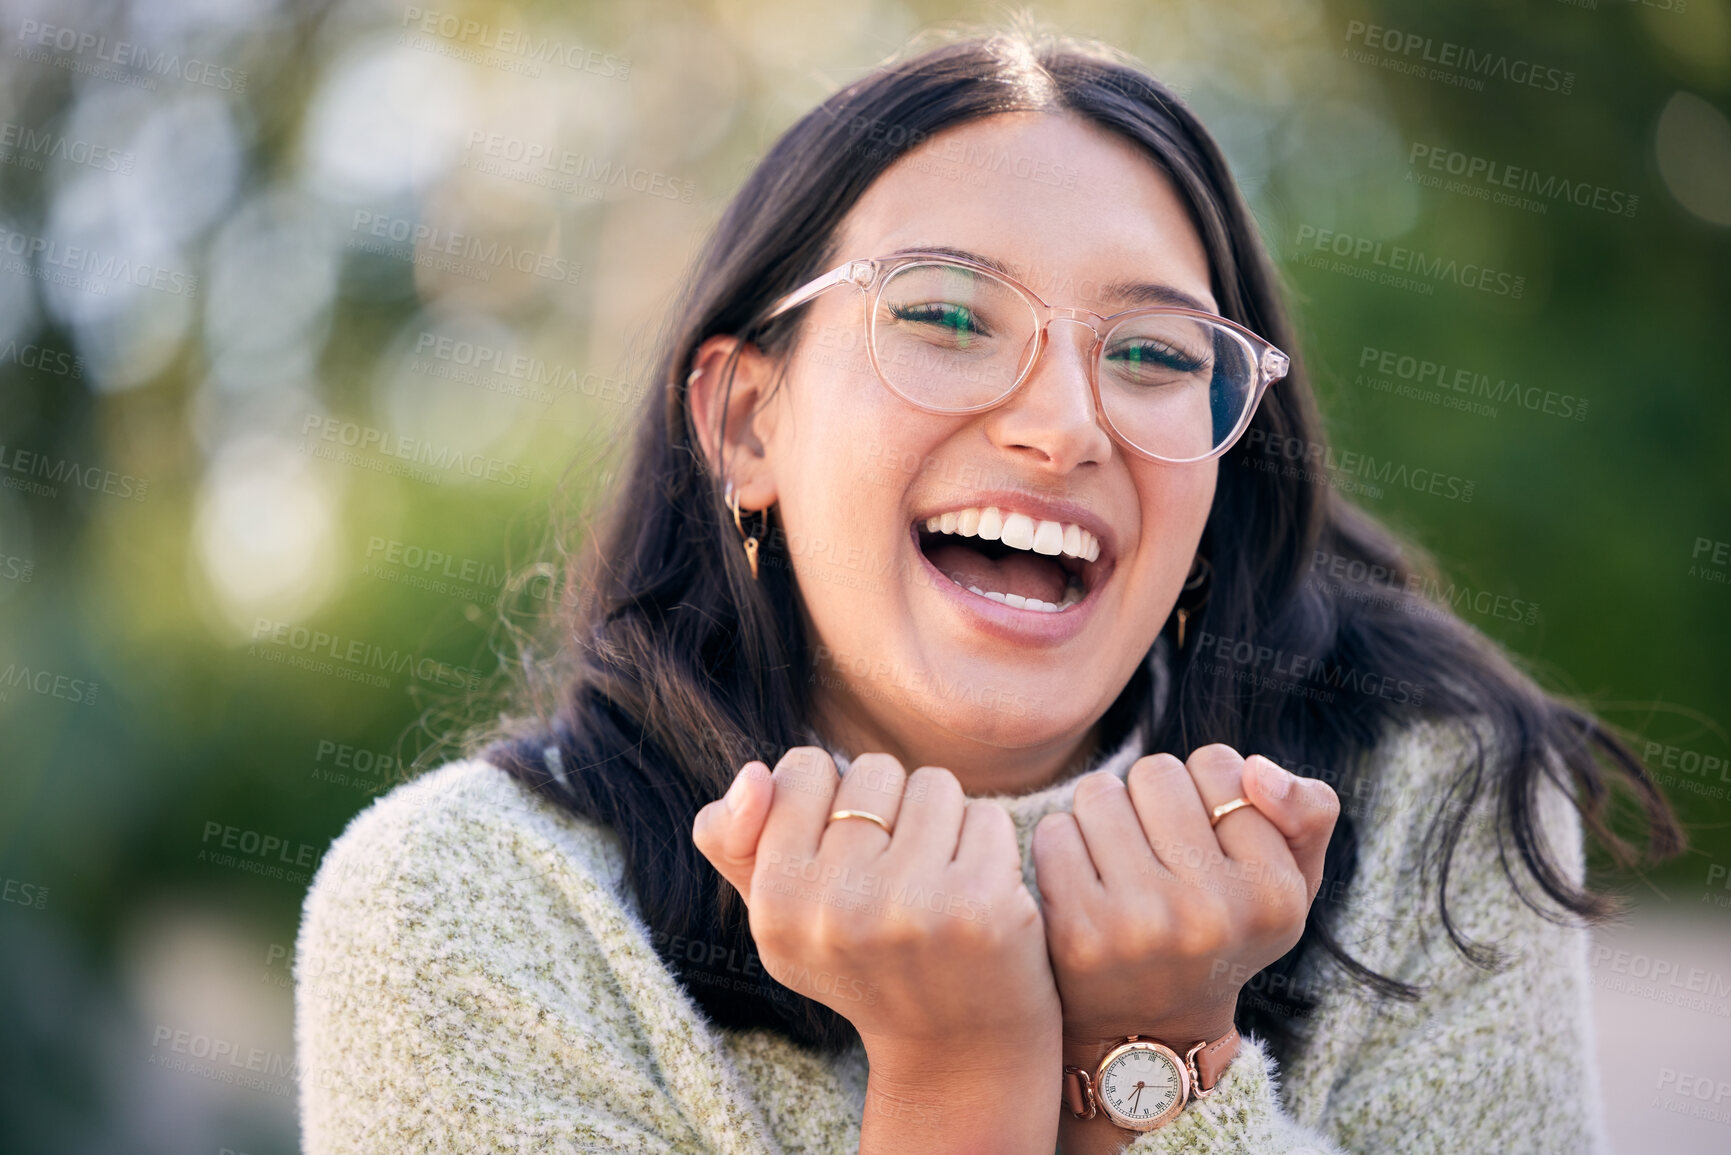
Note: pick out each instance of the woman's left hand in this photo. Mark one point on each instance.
(1153, 920)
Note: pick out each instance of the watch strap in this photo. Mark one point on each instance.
(1208, 1061)
(1079, 1093)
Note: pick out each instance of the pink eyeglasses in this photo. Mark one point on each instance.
(948, 334)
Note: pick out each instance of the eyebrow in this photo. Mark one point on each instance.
(1130, 293)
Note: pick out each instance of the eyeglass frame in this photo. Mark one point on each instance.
(1271, 363)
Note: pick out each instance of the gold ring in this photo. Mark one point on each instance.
(839, 814)
(1225, 808)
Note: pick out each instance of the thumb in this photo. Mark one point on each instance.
(1304, 810)
(726, 831)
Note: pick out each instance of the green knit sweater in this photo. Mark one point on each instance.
(473, 975)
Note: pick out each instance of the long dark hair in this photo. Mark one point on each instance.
(682, 667)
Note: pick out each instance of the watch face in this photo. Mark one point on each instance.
(1142, 1085)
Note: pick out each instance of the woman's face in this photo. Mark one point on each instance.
(910, 661)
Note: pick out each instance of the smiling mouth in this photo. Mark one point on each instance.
(1044, 566)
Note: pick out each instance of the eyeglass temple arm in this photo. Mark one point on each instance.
(858, 272)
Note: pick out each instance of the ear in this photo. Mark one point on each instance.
(734, 421)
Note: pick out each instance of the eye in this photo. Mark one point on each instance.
(959, 321)
(1145, 354)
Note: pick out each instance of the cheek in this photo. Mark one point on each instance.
(854, 448)
(845, 458)
(1176, 500)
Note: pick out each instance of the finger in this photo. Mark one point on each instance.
(1063, 871)
(873, 784)
(1244, 835)
(987, 856)
(805, 785)
(1171, 814)
(988, 839)
(727, 830)
(929, 824)
(1303, 810)
(1117, 844)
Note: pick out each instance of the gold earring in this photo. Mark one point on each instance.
(750, 539)
(1200, 571)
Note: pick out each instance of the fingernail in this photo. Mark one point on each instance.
(730, 800)
(1276, 782)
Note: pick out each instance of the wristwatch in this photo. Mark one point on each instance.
(1142, 1084)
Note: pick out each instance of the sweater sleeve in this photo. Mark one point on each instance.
(1488, 1059)
(459, 988)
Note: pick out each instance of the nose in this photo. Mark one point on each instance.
(1051, 420)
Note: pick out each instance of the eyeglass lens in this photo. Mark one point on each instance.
(951, 337)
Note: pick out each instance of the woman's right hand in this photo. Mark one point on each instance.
(926, 940)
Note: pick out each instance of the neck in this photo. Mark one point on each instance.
(980, 767)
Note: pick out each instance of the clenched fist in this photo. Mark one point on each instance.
(1153, 918)
(923, 937)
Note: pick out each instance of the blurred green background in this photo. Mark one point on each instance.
(313, 317)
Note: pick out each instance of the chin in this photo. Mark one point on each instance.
(1011, 721)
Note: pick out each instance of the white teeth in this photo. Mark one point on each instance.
(1072, 595)
(991, 523)
(1018, 531)
(1073, 540)
(1049, 538)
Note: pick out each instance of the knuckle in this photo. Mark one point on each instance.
(768, 920)
(992, 821)
(807, 759)
(705, 831)
(1144, 938)
(840, 932)
(810, 762)
(1268, 915)
(1325, 801)
(981, 935)
(879, 773)
(1154, 768)
(1215, 757)
(934, 784)
(1199, 937)
(1087, 950)
(1057, 823)
(903, 934)
(1054, 836)
(1095, 789)
(1281, 903)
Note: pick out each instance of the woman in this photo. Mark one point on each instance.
(1099, 818)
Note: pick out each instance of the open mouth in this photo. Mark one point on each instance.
(1012, 558)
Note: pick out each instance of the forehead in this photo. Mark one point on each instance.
(1062, 202)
